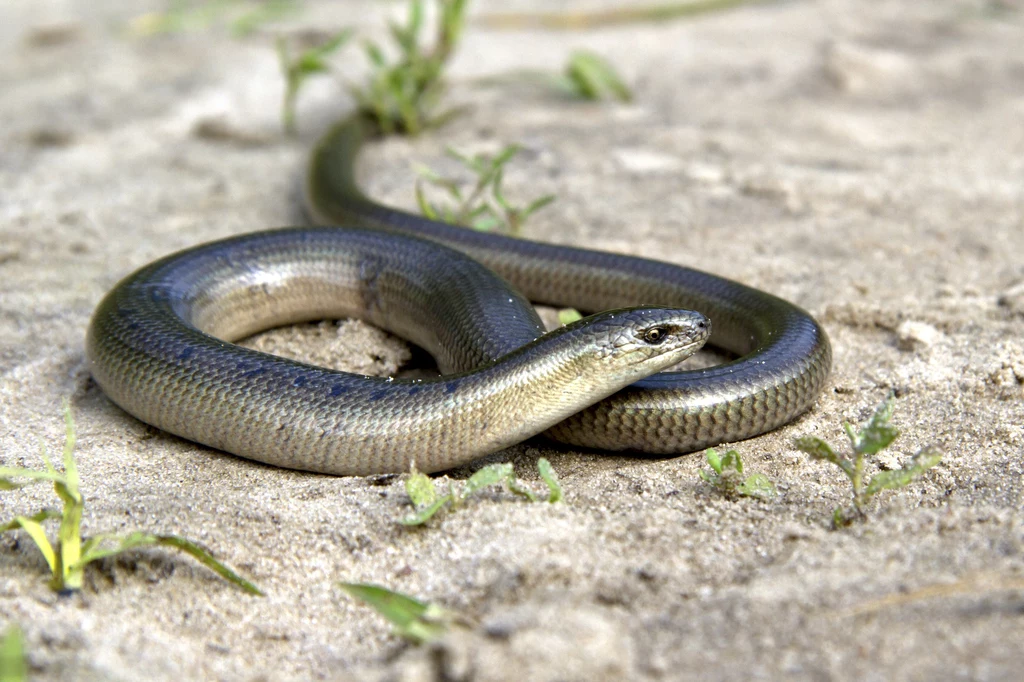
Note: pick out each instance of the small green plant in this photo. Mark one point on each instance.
(410, 618)
(71, 554)
(590, 76)
(726, 476)
(12, 656)
(569, 315)
(308, 63)
(427, 501)
(484, 207)
(876, 435)
(402, 94)
(587, 75)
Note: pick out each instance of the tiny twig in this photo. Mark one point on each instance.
(975, 585)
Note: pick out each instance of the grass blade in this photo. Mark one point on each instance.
(35, 530)
(538, 204)
(547, 474)
(410, 618)
(518, 488)
(208, 560)
(12, 656)
(69, 537)
(594, 77)
(38, 517)
(714, 460)
(421, 516)
(489, 475)
(135, 540)
(731, 460)
(8, 474)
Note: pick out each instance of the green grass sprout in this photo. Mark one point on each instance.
(406, 80)
(427, 501)
(568, 316)
(547, 474)
(12, 656)
(876, 435)
(307, 63)
(70, 555)
(590, 76)
(410, 618)
(403, 93)
(726, 476)
(587, 75)
(484, 207)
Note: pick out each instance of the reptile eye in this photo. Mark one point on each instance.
(655, 335)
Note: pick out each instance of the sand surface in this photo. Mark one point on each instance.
(862, 159)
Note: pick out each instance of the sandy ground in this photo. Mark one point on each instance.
(864, 160)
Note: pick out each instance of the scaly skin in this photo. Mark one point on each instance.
(156, 346)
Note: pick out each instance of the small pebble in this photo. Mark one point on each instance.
(1013, 299)
(860, 69)
(912, 335)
